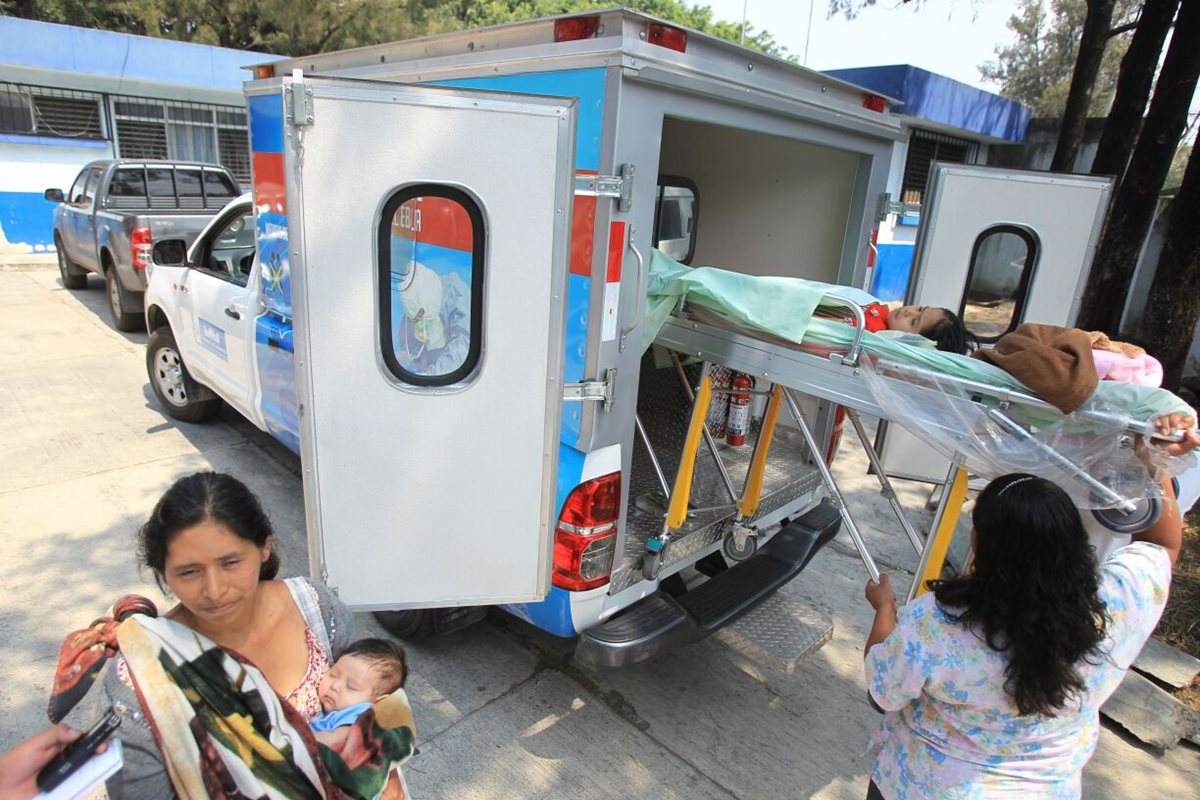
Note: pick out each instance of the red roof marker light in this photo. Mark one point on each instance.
(574, 28)
(666, 36)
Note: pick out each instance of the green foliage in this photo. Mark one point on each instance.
(1178, 165)
(290, 28)
(1036, 69)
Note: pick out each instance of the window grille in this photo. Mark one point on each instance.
(925, 147)
(46, 111)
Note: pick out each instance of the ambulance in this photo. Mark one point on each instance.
(435, 296)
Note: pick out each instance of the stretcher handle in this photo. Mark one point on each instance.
(860, 325)
(640, 299)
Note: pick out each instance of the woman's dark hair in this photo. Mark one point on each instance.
(205, 497)
(386, 658)
(950, 334)
(1033, 592)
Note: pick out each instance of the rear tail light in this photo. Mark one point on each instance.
(569, 30)
(666, 36)
(586, 537)
(141, 248)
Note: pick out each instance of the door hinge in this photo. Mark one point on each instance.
(889, 206)
(604, 391)
(619, 186)
(297, 100)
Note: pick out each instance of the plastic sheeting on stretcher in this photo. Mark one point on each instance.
(955, 403)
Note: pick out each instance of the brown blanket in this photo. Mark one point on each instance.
(1056, 363)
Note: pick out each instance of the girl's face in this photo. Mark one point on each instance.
(914, 319)
(214, 573)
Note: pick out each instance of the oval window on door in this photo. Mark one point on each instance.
(1002, 263)
(431, 245)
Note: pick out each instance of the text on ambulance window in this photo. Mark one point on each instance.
(1002, 263)
(675, 218)
(431, 249)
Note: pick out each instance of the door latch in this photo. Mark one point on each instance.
(604, 391)
(619, 186)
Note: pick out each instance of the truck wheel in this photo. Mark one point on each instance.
(122, 320)
(415, 625)
(176, 390)
(73, 277)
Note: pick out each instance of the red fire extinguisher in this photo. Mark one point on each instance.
(739, 410)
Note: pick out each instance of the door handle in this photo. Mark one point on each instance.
(232, 312)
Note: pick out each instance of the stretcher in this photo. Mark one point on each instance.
(981, 417)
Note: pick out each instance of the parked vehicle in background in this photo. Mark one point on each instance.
(115, 210)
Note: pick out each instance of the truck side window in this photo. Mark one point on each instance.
(230, 255)
(675, 213)
(1002, 264)
(160, 182)
(128, 183)
(93, 181)
(217, 184)
(431, 246)
(76, 193)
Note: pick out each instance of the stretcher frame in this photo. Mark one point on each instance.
(836, 376)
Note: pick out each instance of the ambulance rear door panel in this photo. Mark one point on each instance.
(1000, 247)
(429, 234)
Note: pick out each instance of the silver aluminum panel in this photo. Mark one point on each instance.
(779, 632)
(426, 497)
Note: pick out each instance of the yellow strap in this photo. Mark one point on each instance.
(677, 510)
(945, 531)
(752, 495)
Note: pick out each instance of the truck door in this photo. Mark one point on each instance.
(220, 307)
(80, 217)
(429, 235)
(999, 247)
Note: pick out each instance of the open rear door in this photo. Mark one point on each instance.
(999, 247)
(428, 230)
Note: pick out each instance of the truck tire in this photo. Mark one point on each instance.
(178, 393)
(122, 320)
(73, 277)
(410, 626)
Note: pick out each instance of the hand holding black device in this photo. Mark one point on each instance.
(77, 753)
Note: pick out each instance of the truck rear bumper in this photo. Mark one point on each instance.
(659, 622)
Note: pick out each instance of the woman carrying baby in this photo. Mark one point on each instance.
(219, 691)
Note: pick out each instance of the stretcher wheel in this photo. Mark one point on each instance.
(735, 553)
(1146, 514)
(652, 564)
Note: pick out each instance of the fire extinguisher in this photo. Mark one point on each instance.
(739, 410)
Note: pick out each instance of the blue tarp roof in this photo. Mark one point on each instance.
(936, 98)
(46, 45)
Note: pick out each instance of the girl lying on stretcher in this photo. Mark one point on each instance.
(941, 325)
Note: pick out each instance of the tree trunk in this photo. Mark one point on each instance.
(1137, 195)
(1087, 66)
(1133, 87)
(1173, 307)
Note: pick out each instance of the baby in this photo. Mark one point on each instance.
(367, 671)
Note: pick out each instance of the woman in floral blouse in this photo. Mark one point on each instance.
(992, 683)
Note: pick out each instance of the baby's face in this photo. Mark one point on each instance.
(350, 680)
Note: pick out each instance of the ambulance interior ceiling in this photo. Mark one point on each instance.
(767, 205)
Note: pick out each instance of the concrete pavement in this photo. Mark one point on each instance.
(501, 709)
